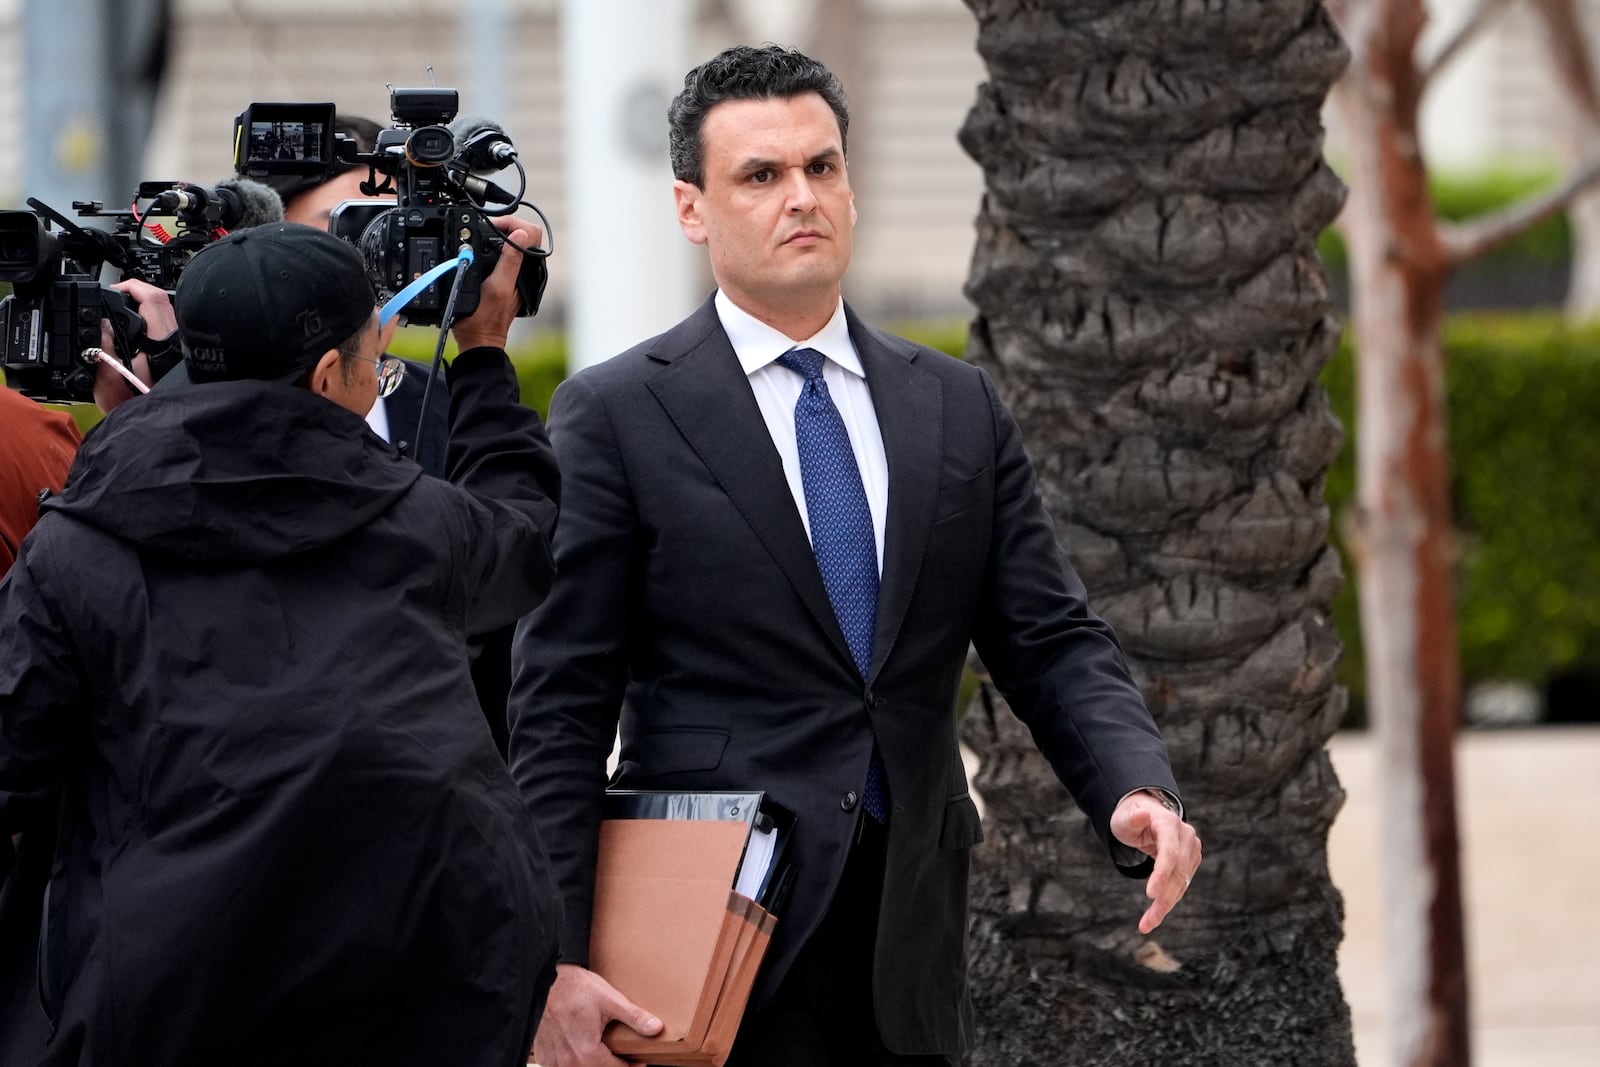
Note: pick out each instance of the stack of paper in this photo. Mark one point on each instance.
(670, 934)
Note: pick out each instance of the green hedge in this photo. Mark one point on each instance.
(1522, 393)
(541, 362)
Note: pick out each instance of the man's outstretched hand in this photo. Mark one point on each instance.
(1143, 822)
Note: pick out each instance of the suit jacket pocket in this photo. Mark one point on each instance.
(674, 751)
(960, 498)
(962, 828)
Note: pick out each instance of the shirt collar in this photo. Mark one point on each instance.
(757, 344)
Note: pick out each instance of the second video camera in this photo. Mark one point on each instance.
(435, 170)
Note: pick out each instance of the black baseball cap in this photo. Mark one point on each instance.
(268, 301)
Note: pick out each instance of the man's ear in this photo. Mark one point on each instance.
(687, 197)
(323, 381)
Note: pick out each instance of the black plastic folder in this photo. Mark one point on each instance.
(681, 917)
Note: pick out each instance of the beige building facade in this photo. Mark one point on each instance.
(913, 75)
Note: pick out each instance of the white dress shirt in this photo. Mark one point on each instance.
(777, 389)
(378, 419)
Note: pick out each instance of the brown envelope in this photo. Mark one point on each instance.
(730, 1008)
(735, 994)
(666, 924)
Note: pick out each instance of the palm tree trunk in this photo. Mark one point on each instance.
(1150, 301)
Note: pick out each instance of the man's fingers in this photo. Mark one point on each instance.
(1177, 856)
(155, 307)
(632, 1016)
(524, 233)
(580, 1005)
(1166, 857)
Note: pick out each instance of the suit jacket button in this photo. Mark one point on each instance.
(849, 800)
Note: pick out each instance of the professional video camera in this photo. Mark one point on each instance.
(436, 175)
(52, 318)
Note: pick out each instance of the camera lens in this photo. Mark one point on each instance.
(16, 250)
(20, 238)
(430, 146)
(378, 249)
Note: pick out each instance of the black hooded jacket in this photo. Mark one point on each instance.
(233, 666)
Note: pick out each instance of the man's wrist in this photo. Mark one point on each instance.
(1166, 799)
(465, 342)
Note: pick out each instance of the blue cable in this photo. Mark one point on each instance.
(398, 301)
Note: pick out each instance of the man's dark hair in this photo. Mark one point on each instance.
(770, 72)
(350, 354)
(350, 357)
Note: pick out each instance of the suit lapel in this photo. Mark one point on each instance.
(908, 402)
(708, 398)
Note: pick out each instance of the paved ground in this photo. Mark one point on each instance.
(1529, 805)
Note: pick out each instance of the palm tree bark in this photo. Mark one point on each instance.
(1150, 301)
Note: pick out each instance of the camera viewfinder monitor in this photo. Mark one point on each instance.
(283, 139)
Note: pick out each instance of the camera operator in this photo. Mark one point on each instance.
(311, 200)
(234, 647)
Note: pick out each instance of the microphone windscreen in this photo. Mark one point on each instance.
(465, 126)
(259, 204)
(482, 144)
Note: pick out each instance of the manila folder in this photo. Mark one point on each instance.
(661, 904)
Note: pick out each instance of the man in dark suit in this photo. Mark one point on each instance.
(780, 530)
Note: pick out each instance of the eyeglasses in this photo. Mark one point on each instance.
(390, 371)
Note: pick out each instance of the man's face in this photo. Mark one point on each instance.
(776, 210)
(313, 206)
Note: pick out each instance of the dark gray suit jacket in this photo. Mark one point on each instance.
(687, 596)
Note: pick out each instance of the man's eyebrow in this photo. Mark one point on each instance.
(755, 163)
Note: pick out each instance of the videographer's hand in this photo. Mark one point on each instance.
(160, 321)
(498, 302)
(154, 305)
(111, 389)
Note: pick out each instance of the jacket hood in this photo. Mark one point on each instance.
(240, 472)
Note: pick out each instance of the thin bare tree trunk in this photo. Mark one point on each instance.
(1401, 535)
(1569, 41)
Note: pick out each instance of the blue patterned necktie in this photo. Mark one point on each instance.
(841, 530)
